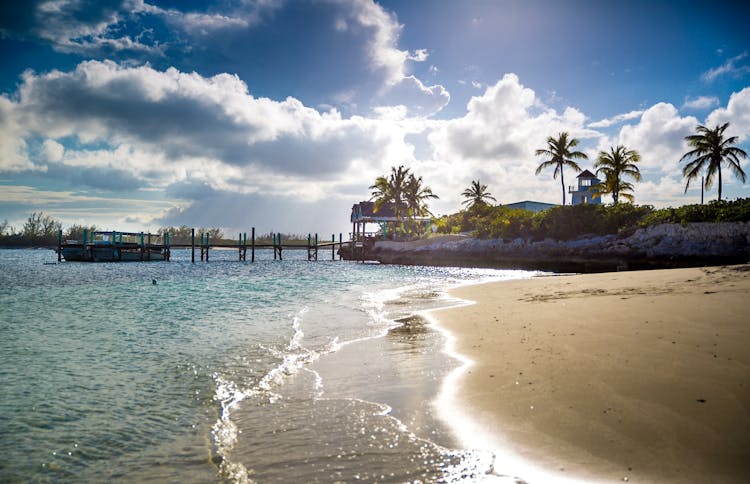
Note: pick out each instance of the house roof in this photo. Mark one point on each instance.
(530, 205)
(365, 212)
(586, 174)
(367, 209)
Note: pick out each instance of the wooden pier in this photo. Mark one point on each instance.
(113, 246)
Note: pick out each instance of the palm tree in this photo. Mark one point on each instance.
(615, 165)
(404, 191)
(560, 154)
(476, 195)
(710, 150)
(391, 190)
(416, 196)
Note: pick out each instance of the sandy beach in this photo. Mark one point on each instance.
(637, 376)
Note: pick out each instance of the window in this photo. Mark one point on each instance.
(586, 182)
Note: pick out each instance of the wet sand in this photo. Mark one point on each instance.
(637, 376)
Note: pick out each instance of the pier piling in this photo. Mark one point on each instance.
(109, 246)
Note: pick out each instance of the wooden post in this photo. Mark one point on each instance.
(208, 244)
(333, 246)
(316, 246)
(148, 252)
(142, 244)
(168, 250)
(59, 245)
(279, 235)
(273, 243)
(252, 247)
(239, 247)
(192, 245)
(341, 244)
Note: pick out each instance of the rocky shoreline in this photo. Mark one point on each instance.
(658, 246)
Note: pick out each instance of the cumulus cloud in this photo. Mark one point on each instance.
(701, 102)
(504, 122)
(185, 115)
(737, 113)
(659, 137)
(13, 148)
(52, 150)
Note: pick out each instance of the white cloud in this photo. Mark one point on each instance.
(659, 137)
(400, 88)
(606, 123)
(732, 67)
(420, 100)
(737, 113)
(185, 125)
(52, 150)
(701, 102)
(385, 32)
(96, 27)
(13, 148)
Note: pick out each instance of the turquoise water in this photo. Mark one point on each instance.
(224, 371)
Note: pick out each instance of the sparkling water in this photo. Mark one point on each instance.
(286, 370)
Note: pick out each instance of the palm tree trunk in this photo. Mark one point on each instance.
(562, 180)
(719, 181)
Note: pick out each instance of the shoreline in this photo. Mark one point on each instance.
(641, 376)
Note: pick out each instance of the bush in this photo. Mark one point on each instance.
(571, 222)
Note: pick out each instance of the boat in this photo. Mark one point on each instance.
(115, 247)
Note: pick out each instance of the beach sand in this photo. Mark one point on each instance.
(639, 376)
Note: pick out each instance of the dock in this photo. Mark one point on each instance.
(114, 246)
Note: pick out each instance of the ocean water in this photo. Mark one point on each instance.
(226, 371)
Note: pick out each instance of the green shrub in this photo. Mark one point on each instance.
(571, 222)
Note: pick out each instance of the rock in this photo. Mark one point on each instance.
(666, 245)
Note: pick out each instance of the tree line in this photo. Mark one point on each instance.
(42, 230)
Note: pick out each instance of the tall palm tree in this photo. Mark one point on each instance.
(710, 150)
(416, 195)
(615, 165)
(560, 155)
(476, 195)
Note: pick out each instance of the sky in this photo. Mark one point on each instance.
(279, 114)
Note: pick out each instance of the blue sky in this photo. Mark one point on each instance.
(133, 114)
